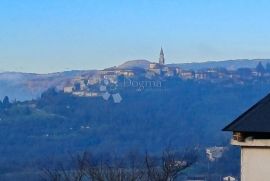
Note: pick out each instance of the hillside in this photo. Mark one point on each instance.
(144, 64)
(27, 86)
(180, 114)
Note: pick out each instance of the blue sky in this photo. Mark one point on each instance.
(56, 35)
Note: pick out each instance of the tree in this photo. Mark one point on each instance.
(1, 105)
(170, 167)
(77, 86)
(166, 168)
(6, 103)
(260, 68)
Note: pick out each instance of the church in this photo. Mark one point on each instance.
(157, 67)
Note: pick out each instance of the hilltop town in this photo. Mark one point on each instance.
(96, 85)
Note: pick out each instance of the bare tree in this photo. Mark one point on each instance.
(170, 166)
(131, 168)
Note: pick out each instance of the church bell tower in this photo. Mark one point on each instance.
(161, 57)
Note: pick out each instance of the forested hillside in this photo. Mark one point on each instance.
(179, 114)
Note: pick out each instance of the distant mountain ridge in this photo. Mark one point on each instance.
(144, 64)
(27, 86)
(228, 64)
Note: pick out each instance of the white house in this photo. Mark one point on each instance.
(68, 89)
(251, 131)
(214, 153)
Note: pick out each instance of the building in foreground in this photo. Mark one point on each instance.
(251, 131)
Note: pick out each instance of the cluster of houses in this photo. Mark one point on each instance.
(96, 85)
(87, 85)
(219, 74)
(93, 85)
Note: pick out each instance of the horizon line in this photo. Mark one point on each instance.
(97, 69)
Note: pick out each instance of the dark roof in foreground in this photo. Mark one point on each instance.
(255, 119)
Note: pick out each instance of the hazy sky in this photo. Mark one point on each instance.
(56, 35)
